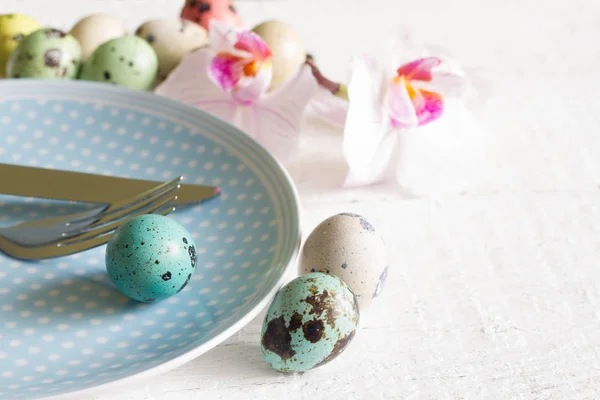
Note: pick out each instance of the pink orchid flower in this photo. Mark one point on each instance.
(230, 79)
(407, 123)
(242, 65)
(408, 105)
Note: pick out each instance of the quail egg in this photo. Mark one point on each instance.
(45, 54)
(94, 30)
(150, 258)
(127, 61)
(310, 322)
(13, 28)
(348, 246)
(171, 39)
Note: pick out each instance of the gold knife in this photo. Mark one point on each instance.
(53, 184)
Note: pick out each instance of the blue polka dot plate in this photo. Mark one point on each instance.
(64, 329)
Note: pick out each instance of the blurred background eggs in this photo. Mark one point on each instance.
(13, 28)
(94, 30)
(45, 54)
(202, 11)
(171, 39)
(127, 61)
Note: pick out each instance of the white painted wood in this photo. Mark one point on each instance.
(492, 293)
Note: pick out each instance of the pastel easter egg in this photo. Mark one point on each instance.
(171, 39)
(202, 11)
(13, 28)
(287, 48)
(126, 61)
(45, 54)
(348, 246)
(93, 30)
(310, 322)
(150, 258)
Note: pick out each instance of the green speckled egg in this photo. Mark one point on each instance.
(45, 54)
(150, 258)
(126, 61)
(309, 323)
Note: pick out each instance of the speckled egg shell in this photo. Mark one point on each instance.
(202, 11)
(127, 61)
(150, 258)
(347, 246)
(45, 54)
(171, 39)
(310, 322)
(13, 28)
(287, 48)
(94, 30)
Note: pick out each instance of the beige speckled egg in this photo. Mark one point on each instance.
(347, 246)
(96, 29)
(287, 48)
(171, 39)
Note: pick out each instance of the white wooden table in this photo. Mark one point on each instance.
(492, 293)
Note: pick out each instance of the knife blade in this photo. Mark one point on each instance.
(53, 184)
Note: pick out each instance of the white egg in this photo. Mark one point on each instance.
(96, 29)
(172, 39)
(347, 246)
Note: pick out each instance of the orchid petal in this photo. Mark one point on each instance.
(187, 84)
(226, 71)
(223, 38)
(419, 69)
(429, 106)
(379, 168)
(253, 44)
(446, 156)
(251, 89)
(400, 106)
(242, 64)
(277, 119)
(219, 35)
(447, 78)
(366, 126)
(329, 107)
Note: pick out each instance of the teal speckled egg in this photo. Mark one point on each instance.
(126, 61)
(150, 258)
(309, 323)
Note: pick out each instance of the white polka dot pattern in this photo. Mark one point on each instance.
(63, 327)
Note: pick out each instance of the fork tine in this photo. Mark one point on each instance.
(76, 247)
(53, 251)
(105, 219)
(104, 229)
(126, 203)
